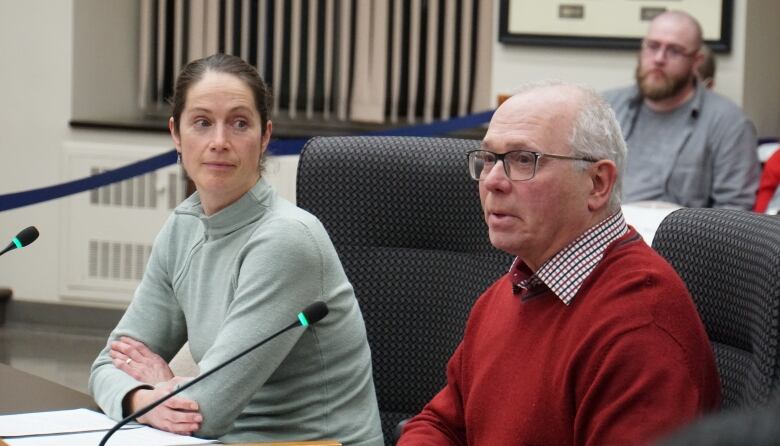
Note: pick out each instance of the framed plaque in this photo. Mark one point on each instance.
(605, 23)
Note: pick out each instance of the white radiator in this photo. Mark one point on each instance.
(107, 232)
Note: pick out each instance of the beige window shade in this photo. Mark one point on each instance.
(378, 61)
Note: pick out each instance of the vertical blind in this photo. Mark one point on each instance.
(359, 60)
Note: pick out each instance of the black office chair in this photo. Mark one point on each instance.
(747, 426)
(406, 221)
(730, 261)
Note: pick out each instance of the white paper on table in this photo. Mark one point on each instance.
(55, 422)
(144, 435)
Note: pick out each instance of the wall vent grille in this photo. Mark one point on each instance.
(107, 232)
(137, 192)
(117, 260)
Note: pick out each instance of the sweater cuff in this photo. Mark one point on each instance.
(124, 385)
(124, 404)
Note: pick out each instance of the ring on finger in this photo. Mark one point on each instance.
(128, 361)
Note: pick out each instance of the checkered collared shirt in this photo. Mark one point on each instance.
(565, 272)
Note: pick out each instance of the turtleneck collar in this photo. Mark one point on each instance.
(247, 209)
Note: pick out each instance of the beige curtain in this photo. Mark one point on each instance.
(368, 72)
(372, 72)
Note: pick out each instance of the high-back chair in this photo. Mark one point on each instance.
(730, 261)
(406, 221)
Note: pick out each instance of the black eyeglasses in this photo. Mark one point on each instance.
(519, 165)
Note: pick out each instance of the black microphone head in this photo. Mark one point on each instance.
(27, 235)
(313, 313)
(22, 239)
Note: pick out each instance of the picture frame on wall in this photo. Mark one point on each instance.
(605, 23)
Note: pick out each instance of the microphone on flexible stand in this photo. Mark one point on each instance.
(22, 239)
(309, 316)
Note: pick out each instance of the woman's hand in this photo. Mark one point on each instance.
(135, 359)
(178, 415)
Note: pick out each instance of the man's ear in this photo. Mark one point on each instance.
(698, 59)
(603, 175)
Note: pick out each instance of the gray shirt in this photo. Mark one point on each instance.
(702, 154)
(226, 281)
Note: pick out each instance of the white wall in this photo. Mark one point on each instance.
(762, 65)
(36, 46)
(35, 80)
(754, 85)
(105, 55)
(601, 68)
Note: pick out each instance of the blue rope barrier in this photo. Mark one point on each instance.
(294, 146)
(277, 147)
(26, 198)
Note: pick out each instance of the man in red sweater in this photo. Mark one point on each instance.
(591, 338)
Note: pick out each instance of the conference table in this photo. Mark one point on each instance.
(22, 392)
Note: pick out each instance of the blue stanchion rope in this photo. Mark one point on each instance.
(26, 198)
(294, 146)
(277, 147)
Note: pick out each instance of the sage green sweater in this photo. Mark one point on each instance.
(225, 282)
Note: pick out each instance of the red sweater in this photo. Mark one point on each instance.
(627, 361)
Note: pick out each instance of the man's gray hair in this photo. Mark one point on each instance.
(595, 133)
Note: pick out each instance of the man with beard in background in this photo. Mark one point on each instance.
(686, 144)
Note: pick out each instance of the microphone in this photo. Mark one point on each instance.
(309, 316)
(22, 239)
